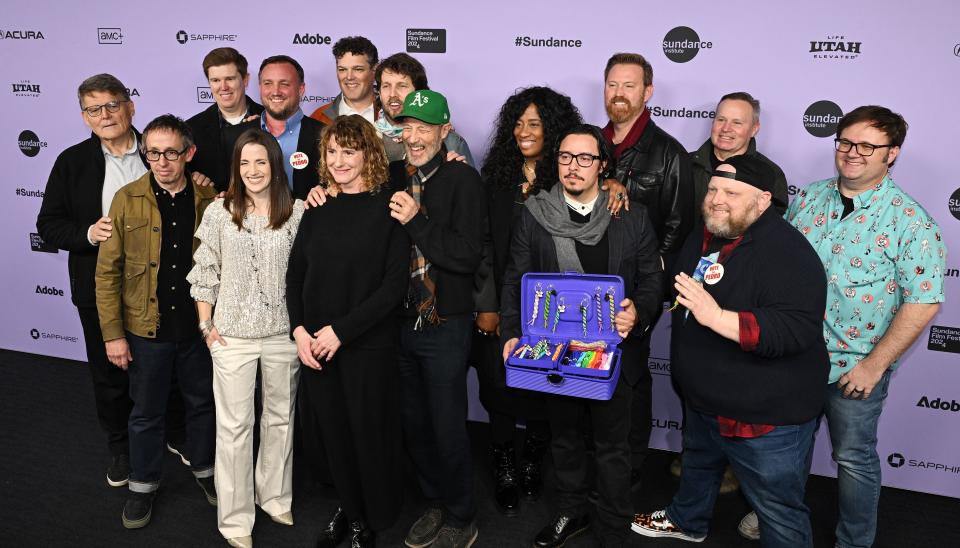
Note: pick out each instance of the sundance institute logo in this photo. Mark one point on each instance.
(821, 118)
(29, 143)
(682, 44)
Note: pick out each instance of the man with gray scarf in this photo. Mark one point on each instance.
(569, 229)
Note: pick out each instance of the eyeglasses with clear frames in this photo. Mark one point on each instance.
(583, 159)
(863, 149)
(94, 111)
(170, 154)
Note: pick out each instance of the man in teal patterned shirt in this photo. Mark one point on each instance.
(884, 259)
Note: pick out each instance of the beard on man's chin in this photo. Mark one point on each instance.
(623, 112)
(283, 113)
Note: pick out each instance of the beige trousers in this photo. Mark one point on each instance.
(234, 380)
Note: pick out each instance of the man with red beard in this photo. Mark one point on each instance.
(651, 168)
(747, 352)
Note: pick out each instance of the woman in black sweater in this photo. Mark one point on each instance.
(348, 274)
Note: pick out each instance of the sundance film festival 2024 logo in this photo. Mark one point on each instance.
(821, 118)
(835, 47)
(682, 44)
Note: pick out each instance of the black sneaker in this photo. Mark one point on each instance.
(457, 537)
(179, 449)
(118, 473)
(209, 489)
(425, 530)
(137, 510)
(560, 530)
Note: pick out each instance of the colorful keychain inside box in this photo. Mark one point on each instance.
(569, 342)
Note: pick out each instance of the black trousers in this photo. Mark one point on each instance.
(353, 402)
(111, 391)
(433, 381)
(504, 405)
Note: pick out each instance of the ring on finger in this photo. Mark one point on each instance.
(620, 196)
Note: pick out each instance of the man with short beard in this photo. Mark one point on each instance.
(281, 90)
(733, 133)
(226, 72)
(443, 209)
(655, 169)
(747, 352)
(397, 76)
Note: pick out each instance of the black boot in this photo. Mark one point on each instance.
(362, 536)
(335, 531)
(531, 464)
(505, 492)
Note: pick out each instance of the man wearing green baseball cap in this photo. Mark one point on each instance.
(444, 210)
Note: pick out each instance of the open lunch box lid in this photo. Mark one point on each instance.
(569, 291)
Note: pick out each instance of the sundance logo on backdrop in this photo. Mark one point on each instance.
(29, 143)
(821, 118)
(682, 44)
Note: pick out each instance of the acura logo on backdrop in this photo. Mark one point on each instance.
(29, 143)
(821, 118)
(835, 46)
(21, 35)
(682, 44)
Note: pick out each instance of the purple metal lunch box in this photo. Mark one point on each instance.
(572, 290)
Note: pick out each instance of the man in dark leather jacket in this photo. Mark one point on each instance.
(655, 170)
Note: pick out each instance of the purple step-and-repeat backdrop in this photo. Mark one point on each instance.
(807, 62)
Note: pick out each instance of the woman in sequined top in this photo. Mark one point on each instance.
(239, 285)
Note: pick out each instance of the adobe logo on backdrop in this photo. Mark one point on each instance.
(821, 118)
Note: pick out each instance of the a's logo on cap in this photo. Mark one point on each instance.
(420, 100)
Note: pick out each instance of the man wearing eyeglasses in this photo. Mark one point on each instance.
(884, 259)
(147, 317)
(564, 230)
(73, 217)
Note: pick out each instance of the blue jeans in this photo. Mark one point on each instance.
(433, 384)
(772, 470)
(151, 371)
(853, 435)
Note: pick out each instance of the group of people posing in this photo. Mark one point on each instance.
(341, 270)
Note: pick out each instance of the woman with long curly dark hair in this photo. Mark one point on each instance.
(518, 164)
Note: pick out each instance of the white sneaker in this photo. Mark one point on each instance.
(750, 527)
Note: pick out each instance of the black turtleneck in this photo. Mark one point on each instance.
(595, 259)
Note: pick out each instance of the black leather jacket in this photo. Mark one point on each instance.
(656, 171)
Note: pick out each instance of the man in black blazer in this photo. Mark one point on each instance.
(226, 72)
(570, 229)
(281, 90)
(73, 217)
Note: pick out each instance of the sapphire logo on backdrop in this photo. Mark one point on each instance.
(109, 35)
(37, 244)
(317, 98)
(25, 88)
(36, 334)
(681, 112)
(895, 460)
(944, 338)
(204, 95)
(21, 35)
(835, 47)
(311, 39)
(29, 143)
(683, 44)
(183, 37)
(821, 118)
(954, 204)
(427, 40)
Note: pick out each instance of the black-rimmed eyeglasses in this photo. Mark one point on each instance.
(169, 154)
(94, 111)
(583, 159)
(863, 149)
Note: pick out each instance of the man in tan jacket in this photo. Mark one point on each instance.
(147, 316)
